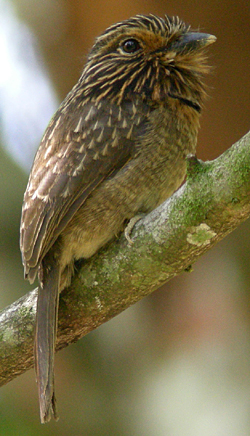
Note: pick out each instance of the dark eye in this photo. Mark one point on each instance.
(130, 46)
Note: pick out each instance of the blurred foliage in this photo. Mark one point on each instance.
(176, 363)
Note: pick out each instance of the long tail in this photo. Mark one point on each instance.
(46, 329)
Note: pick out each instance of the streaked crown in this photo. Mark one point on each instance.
(147, 55)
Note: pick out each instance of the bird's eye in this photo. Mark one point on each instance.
(130, 46)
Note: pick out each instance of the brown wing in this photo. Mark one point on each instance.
(80, 148)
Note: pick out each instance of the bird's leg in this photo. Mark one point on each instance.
(130, 226)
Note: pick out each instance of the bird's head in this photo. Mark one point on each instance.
(154, 57)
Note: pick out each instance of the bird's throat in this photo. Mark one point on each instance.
(187, 102)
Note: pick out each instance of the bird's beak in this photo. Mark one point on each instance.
(192, 41)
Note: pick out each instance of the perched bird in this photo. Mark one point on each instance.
(115, 148)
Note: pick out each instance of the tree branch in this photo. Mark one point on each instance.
(214, 200)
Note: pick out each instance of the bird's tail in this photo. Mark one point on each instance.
(46, 329)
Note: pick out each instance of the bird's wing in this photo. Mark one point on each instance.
(77, 152)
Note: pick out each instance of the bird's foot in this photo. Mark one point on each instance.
(130, 226)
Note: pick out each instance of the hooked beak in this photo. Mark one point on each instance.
(192, 41)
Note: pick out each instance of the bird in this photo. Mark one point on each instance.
(115, 149)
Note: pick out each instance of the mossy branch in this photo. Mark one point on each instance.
(214, 200)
